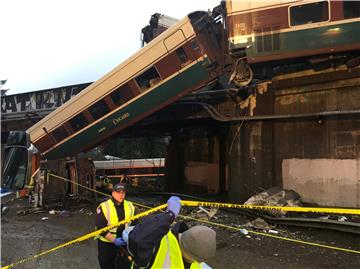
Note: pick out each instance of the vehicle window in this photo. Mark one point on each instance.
(275, 38)
(351, 9)
(194, 45)
(78, 122)
(267, 39)
(110, 172)
(99, 109)
(259, 40)
(60, 134)
(309, 13)
(121, 95)
(148, 79)
(180, 52)
(18, 138)
(15, 168)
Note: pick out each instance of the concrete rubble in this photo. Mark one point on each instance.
(259, 224)
(276, 196)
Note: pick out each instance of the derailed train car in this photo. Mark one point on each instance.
(148, 173)
(185, 58)
(289, 29)
(182, 59)
(280, 32)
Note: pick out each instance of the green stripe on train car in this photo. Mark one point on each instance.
(156, 97)
(308, 39)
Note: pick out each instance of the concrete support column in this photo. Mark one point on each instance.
(223, 160)
(175, 163)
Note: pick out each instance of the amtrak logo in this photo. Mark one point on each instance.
(122, 117)
(101, 129)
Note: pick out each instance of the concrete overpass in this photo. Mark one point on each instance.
(299, 131)
(21, 111)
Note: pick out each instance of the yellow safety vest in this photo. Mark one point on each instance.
(169, 253)
(197, 265)
(109, 210)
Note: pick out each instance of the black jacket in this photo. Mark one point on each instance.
(144, 239)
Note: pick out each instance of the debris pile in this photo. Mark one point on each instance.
(276, 196)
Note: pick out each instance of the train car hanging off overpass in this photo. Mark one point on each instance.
(182, 59)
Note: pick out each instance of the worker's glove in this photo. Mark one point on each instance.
(174, 205)
(119, 242)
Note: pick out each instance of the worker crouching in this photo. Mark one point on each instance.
(152, 244)
(111, 251)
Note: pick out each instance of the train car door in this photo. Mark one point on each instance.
(71, 189)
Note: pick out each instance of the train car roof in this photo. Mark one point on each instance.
(238, 6)
(133, 163)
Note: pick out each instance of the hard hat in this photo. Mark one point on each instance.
(119, 187)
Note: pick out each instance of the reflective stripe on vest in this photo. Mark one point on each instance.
(169, 253)
(196, 265)
(109, 210)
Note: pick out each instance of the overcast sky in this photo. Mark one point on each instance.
(52, 43)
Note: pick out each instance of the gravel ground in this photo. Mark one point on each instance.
(23, 236)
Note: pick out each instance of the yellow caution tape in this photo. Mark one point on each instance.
(322, 210)
(274, 236)
(87, 236)
(73, 182)
(204, 204)
(276, 208)
(37, 170)
(161, 207)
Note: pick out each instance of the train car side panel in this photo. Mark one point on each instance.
(143, 106)
(146, 56)
(281, 30)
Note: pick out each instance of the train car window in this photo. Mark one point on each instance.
(121, 95)
(267, 40)
(259, 41)
(351, 9)
(78, 122)
(110, 172)
(148, 79)
(275, 38)
(194, 45)
(99, 109)
(309, 13)
(180, 52)
(60, 133)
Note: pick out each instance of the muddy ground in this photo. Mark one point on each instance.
(24, 236)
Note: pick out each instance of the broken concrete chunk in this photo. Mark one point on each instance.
(4, 209)
(203, 213)
(65, 213)
(244, 231)
(276, 196)
(259, 223)
(342, 218)
(209, 213)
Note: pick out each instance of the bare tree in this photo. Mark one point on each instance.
(2, 84)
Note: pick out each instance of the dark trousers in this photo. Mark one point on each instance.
(111, 256)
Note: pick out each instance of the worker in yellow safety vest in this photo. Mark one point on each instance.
(152, 244)
(111, 251)
(36, 186)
